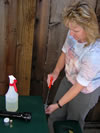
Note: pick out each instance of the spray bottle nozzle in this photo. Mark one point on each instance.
(13, 82)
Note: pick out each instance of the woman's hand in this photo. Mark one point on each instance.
(59, 66)
(51, 108)
(54, 75)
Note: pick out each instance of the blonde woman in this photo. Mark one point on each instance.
(80, 88)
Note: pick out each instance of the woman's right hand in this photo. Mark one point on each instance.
(54, 76)
(51, 108)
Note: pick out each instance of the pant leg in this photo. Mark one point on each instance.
(79, 107)
(59, 114)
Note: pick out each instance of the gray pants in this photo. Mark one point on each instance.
(76, 109)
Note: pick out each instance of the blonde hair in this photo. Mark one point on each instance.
(82, 14)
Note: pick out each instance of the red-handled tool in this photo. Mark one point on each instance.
(46, 102)
(51, 79)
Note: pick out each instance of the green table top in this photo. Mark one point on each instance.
(38, 123)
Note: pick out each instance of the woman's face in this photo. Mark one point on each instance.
(77, 32)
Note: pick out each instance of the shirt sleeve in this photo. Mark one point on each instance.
(90, 66)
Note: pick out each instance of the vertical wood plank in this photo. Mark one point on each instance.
(98, 11)
(2, 47)
(8, 10)
(26, 12)
(11, 37)
(41, 40)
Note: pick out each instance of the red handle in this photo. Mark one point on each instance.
(51, 79)
(14, 85)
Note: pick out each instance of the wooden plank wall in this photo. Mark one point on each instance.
(2, 48)
(8, 14)
(16, 43)
(40, 46)
(25, 36)
(11, 36)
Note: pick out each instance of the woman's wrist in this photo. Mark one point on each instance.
(59, 104)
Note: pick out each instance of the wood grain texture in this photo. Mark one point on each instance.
(11, 37)
(2, 42)
(40, 46)
(25, 36)
(8, 23)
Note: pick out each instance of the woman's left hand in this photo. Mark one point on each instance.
(51, 108)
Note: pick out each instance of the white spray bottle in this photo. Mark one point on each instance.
(12, 95)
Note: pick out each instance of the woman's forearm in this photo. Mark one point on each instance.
(60, 64)
(69, 95)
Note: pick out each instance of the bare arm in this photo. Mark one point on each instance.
(73, 91)
(69, 95)
(60, 63)
(58, 68)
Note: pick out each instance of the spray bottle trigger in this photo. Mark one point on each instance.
(15, 81)
(14, 84)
